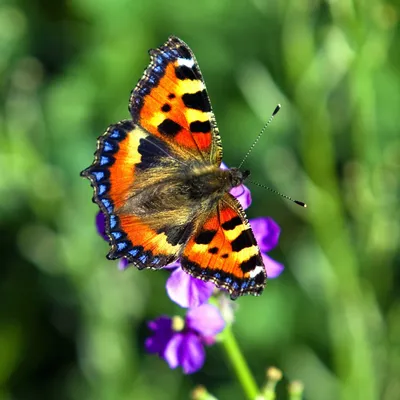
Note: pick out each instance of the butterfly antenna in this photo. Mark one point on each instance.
(300, 203)
(277, 108)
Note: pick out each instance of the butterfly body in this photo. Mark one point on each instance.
(157, 179)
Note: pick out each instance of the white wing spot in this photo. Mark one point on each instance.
(257, 270)
(184, 61)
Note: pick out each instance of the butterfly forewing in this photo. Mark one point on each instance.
(171, 102)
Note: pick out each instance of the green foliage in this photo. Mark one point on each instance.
(71, 325)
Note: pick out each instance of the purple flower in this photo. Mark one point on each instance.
(181, 342)
(242, 193)
(266, 232)
(123, 264)
(185, 290)
(101, 225)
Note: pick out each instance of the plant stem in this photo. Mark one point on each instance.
(239, 364)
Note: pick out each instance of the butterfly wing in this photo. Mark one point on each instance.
(171, 102)
(225, 251)
(130, 176)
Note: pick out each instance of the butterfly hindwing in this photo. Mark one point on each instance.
(171, 102)
(225, 251)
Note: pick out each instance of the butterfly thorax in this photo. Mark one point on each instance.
(206, 183)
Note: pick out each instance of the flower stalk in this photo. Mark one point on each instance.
(239, 364)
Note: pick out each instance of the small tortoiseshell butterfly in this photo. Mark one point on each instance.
(158, 181)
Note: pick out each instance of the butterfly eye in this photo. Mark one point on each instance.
(246, 174)
(237, 177)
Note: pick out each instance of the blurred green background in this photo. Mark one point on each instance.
(71, 325)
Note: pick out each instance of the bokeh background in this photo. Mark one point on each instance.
(71, 325)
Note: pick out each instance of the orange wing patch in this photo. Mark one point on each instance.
(171, 102)
(122, 172)
(115, 159)
(225, 250)
(109, 175)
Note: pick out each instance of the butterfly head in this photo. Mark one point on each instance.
(237, 177)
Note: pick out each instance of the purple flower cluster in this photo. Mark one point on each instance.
(180, 342)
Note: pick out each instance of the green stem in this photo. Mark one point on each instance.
(239, 364)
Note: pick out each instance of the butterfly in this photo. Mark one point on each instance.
(157, 179)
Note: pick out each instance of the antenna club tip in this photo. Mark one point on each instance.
(277, 108)
(300, 203)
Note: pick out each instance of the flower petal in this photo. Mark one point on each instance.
(274, 269)
(101, 225)
(123, 264)
(242, 193)
(206, 320)
(191, 353)
(171, 354)
(162, 328)
(173, 265)
(187, 291)
(266, 231)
